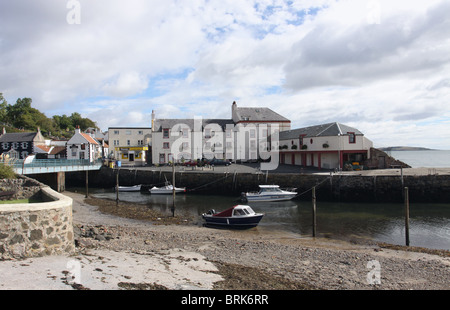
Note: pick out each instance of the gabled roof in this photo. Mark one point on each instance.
(258, 114)
(80, 137)
(18, 137)
(89, 138)
(159, 124)
(324, 130)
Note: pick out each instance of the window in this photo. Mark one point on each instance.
(351, 137)
(207, 133)
(185, 132)
(128, 132)
(185, 145)
(116, 132)
(166, 145)
(128, 142)
(165, 133)
(24, 145)
(140, 132)
(5, 146)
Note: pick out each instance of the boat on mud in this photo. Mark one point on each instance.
(239, 216)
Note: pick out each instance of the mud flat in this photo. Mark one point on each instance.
(156, 253)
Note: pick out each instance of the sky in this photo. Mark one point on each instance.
(380, 66)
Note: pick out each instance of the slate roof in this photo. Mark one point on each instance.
(18, 137)
(324, 130)
(259, 114)
(159, 124)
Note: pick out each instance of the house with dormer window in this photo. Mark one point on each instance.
(21, 144)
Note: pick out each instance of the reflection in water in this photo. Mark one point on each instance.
(429, 223)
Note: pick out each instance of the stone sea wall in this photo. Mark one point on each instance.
(37, 229)
(336, 187)
(20, 188)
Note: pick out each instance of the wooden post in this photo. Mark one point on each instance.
(314, 211)
(87, 183)
(117, 186)
(173, 190)
(407, 216)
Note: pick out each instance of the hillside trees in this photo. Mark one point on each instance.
(23, 116)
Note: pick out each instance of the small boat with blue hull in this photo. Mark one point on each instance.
(239, 216)
(269, 193)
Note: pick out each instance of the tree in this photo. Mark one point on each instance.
(23, 116)
(3, 111)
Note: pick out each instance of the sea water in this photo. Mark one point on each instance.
(381, 222)
(426, 158)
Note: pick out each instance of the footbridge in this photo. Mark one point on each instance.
(53, 168)
(39, 166)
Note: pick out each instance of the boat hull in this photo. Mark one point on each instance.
(232, 221)
(136, 188)
(266, 198)
(166, 191)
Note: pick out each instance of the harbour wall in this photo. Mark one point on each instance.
(332, 187)
(36, 229)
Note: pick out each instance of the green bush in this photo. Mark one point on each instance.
(6, 172)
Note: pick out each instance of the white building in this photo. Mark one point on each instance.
(244, 137)
(328, 146)
(83, 146)
(130, 145)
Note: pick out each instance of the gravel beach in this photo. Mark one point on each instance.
(151, 251)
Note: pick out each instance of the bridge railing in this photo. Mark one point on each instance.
(52, 165)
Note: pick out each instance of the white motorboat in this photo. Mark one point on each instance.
(166, 190)
(269, 193)
(135, 188)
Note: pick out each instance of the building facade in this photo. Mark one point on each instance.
(327, 146)
(246, 136)
(20, 144)
(83, 146)
(130, 145)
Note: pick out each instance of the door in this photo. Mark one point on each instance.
(381, 162)
(131, 157)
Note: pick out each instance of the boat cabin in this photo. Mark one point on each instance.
(239, 210)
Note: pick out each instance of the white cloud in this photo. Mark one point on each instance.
(126, 84)
(381, 66)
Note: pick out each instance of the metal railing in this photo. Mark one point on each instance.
(51, 165)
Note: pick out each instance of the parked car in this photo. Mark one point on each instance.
(190, 163)
(219, 162)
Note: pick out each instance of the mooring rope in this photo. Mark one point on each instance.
(190, 190)
(317, 185)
